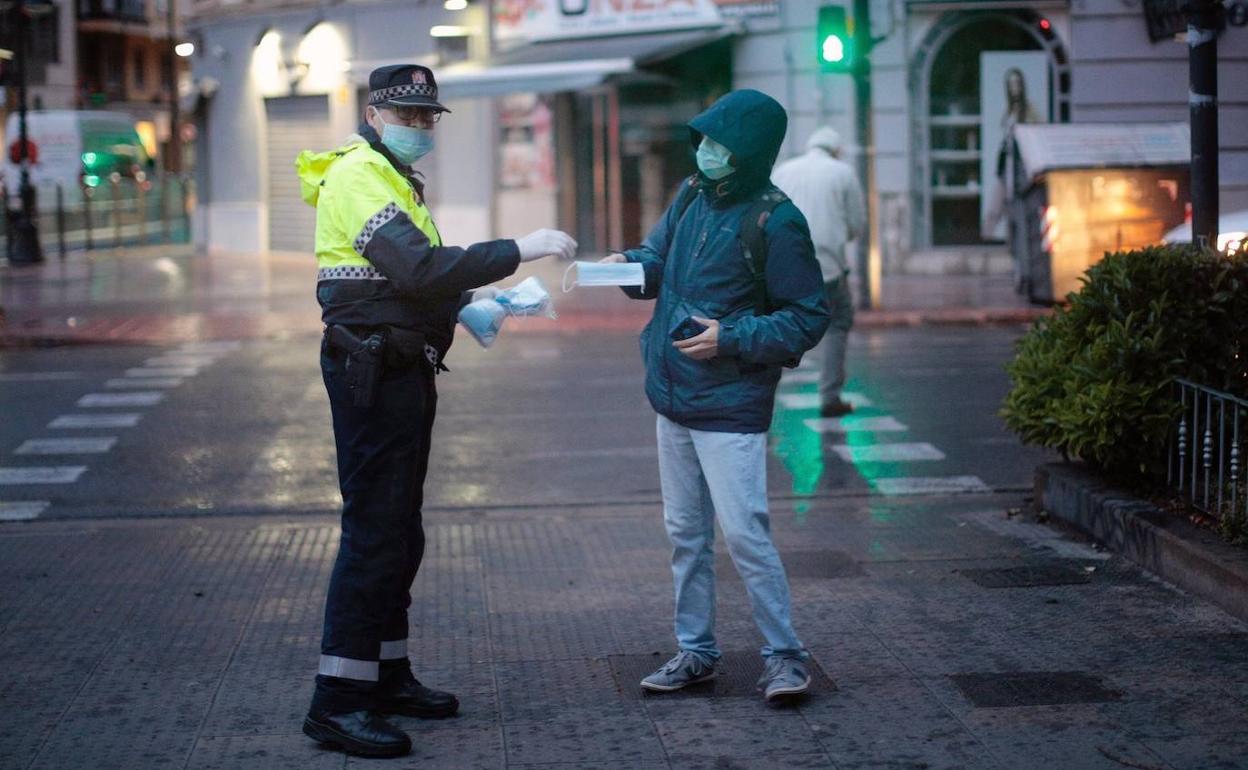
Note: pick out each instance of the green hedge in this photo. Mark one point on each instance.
(1095, 380)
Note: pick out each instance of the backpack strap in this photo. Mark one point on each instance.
(752, 235)
(684, 198)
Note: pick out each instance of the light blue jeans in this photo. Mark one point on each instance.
(707, 475)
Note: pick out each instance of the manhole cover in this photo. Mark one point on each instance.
(736, 676)
(804, 565)
(1027, 576)
(1037, 688)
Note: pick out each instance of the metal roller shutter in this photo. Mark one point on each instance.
(295, 124)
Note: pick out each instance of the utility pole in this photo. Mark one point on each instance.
(174, 161)
(26, 249)
(1203, 17)
(862, 44)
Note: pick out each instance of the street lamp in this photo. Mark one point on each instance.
(25, 248)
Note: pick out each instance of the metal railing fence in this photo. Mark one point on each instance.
(1205, 464)
(120, 211)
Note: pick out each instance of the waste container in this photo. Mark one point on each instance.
(1081, 190)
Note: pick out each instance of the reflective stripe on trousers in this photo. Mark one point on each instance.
(383, 455)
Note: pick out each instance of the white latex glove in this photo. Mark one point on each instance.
(485, 292)
(543, 243)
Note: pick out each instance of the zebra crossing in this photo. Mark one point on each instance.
(798, 393)
(141, 387)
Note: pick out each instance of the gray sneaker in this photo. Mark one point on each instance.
(784, 677)
(681, 671)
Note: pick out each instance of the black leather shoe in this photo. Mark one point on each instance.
(364, 733)
(837, 408)
(409, 698)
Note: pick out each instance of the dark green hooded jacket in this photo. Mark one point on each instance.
(694, 265)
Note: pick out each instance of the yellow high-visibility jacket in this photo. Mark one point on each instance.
(381, 259)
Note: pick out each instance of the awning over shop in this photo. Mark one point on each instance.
(1050, 146)
(570, 65)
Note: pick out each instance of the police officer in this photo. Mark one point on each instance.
(389, 292)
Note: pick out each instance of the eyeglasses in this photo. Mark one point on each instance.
(424, 115)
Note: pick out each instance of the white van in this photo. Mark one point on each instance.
(75, 147)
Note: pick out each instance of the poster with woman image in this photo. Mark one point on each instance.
(1014, 88)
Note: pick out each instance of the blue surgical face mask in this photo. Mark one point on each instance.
(606, 274)
(714, 159)
(408, 143)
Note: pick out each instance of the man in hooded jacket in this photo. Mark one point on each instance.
(389, 291)
(714, 392)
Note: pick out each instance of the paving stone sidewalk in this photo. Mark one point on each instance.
(946, 635)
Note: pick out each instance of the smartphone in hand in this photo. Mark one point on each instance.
(687, 328)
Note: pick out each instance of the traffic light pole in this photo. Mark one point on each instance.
(1202, 41)
(174, 162)
(26, 249)
(862, 43)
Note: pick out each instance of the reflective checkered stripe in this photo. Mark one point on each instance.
(394, 92)
(374, 223)
(349, 273)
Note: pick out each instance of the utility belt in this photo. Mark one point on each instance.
(371, 350)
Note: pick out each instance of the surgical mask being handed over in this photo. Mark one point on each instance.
(408, 143)
(605, 274)
(714, 159)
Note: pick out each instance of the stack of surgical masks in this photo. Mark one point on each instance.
(484, 318)
(605, 274)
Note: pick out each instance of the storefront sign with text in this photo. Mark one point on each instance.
(532, 20)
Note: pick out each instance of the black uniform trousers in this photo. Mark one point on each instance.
(383, 456)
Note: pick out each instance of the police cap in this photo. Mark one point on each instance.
(403, 85)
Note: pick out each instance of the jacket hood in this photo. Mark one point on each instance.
(752, 126)
(312, 166)
(825, 138)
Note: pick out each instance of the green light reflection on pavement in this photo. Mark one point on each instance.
(800, 448)
(869, 471)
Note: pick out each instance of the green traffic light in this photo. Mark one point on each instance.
(834, 40)
(833, 49)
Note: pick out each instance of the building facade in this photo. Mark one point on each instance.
(571, 114)
(127, 64)
(52, 73)
(102, 54)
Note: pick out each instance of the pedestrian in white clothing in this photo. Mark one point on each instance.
(826, 191)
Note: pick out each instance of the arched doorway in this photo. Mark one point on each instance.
(955, 171)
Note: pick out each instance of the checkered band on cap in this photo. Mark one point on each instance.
(390, 211)
(383, 95)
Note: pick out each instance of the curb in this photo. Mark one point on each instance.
(1194, 559)
(877, 319)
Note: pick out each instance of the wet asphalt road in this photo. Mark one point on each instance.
(540, 420)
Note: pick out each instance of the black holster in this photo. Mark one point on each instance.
(365, 361)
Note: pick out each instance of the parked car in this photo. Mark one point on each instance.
(1232, 232)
